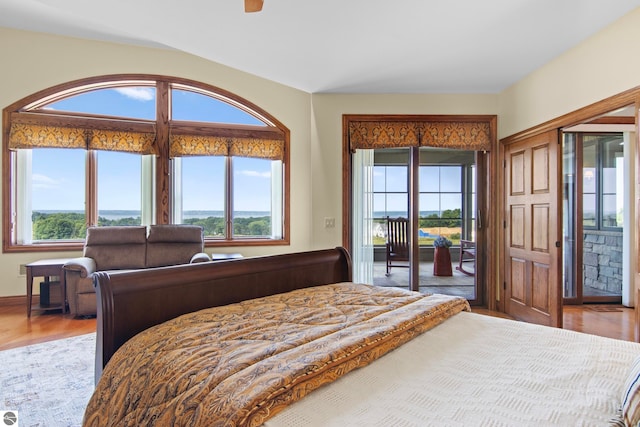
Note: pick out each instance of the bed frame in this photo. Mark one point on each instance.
(132, 301)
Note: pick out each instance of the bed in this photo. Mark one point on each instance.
(290, 340)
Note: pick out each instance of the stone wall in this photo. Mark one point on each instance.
(602, 260)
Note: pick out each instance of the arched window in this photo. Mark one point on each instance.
(139, 150)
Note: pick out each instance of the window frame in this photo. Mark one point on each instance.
(387, 192)
(467, 190)
(28, 110)
(461, 171)
(599, 184)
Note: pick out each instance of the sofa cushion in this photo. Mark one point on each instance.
(117, 248)
(173, 244)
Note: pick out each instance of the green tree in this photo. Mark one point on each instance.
(58, 226)
(259, 228)
(452, 218)
(104, 222)
(213, 225)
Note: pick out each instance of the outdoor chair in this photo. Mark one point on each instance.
(467, 254)
(397, 243)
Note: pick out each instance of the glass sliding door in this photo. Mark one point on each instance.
(390, 199)
(446, 199)
(571, 213)
(447, 222)
(593, 211)
(603, 232)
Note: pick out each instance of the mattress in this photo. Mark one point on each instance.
(241, 363)
(477, 370)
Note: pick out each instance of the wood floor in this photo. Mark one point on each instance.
(16, 330)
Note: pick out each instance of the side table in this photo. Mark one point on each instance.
(442, 262)
(46, 268)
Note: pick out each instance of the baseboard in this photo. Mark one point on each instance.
(18, 300)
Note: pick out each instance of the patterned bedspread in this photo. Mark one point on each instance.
(242, 363)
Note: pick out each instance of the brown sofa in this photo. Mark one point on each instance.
(127, 248)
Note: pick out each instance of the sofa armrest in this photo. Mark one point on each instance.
(83, 265)
(200, 257)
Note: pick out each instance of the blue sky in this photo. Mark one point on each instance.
(58, 175)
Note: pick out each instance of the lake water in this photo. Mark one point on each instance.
(113, 214)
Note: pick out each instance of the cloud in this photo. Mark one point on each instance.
(137, 93)
(43, 182)
(255, 174)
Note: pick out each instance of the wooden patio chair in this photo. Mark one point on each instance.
(467, 254)
(397, 243)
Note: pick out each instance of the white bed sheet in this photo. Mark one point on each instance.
(477, 370)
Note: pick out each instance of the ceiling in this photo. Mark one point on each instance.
(342, 46)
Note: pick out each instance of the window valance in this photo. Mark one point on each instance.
(383, 134)
(272, 149)
(472, 136)
(46, 136)
(36, 135)
(126, 141)
(203, 145)
(197, 145)
(465, 135)
(189, 139)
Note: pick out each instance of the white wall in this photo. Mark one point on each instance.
(604, 65)
(33, 61)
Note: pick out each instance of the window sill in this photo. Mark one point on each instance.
(79, 245)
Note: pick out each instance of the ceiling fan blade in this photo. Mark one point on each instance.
(253, 5)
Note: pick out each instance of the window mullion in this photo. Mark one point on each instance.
(91, 188)
(228, 208)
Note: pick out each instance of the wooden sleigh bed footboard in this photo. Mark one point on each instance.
(132, 301)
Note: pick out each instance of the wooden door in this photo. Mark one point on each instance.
(532, 286)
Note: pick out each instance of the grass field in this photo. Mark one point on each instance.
(452, 234)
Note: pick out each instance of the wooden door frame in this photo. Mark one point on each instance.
(490, 204)
(582, 115)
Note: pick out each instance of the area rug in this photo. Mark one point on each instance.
(48, 384)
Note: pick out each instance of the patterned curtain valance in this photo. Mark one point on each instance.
(272, 149)
(28, 135)
(46, 136)
(125, 141)
(197, 145)
(204, 145)
(472, 136)
(383, 134)
(466, 135)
